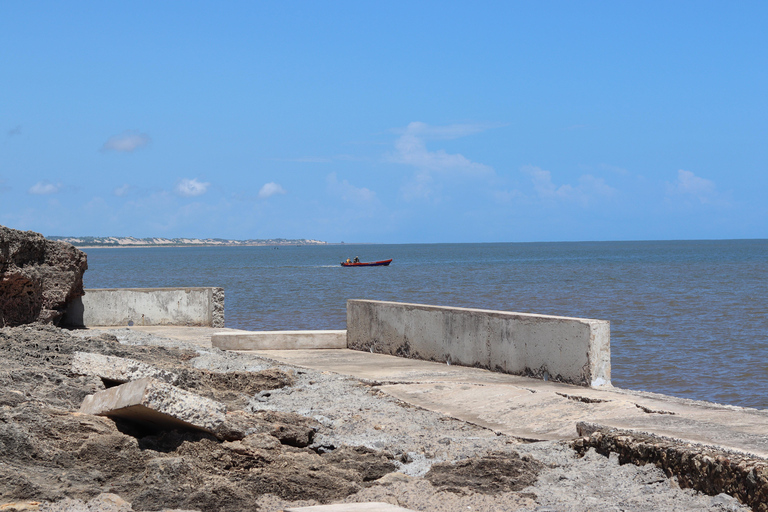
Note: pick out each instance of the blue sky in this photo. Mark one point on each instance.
(391, 122)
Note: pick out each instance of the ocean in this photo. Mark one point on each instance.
(688, 318)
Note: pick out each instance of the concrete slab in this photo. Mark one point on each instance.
(537, 410)
(118, 369)
(156, 404)
(352, 507)
(279, 340)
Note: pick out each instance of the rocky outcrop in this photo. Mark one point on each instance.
(38, 277)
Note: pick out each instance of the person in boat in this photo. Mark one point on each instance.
(348, 261)
(357, 260)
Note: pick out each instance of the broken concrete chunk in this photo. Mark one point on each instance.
(156, 404)
(118, 369)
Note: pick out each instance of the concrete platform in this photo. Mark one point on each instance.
(533, 409)
(522, 407)
(279, 340)
(352, 507)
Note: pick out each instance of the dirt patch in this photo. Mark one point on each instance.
(232, 388)
(491, 474)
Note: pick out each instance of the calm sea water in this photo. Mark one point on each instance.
(688, 318)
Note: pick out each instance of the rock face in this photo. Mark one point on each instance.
(38, 277)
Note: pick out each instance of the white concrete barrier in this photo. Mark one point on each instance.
(572, 350)
(147, 306)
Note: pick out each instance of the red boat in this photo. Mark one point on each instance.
(382, 263)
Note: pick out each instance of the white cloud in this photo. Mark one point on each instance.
(615, 169)
(593, 186)
(270, 189)
(191, 188)
(421, 187)
(44, 188)
(122, 191)
(588, 188)
(126, 142)
(348, 192)
(411, 149)
(688, 184)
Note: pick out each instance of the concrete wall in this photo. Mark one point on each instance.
(148, 306)
(573, 350)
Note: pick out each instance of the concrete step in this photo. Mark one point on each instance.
(279, 340)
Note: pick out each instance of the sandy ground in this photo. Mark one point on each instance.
(367, 445)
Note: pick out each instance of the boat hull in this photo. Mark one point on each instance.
(382, 263)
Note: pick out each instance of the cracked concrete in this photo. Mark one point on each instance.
(532, 409)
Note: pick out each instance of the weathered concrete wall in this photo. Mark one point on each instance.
(148, 306)
(573, 350)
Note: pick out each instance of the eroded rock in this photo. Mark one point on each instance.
(38, 277)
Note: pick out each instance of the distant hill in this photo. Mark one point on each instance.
(130, 241)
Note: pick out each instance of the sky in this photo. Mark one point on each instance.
(386, 122)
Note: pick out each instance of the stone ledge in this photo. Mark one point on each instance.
(704, 468)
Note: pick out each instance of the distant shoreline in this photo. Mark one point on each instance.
(152, 246)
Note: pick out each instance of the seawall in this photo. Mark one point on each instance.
(571, 350)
